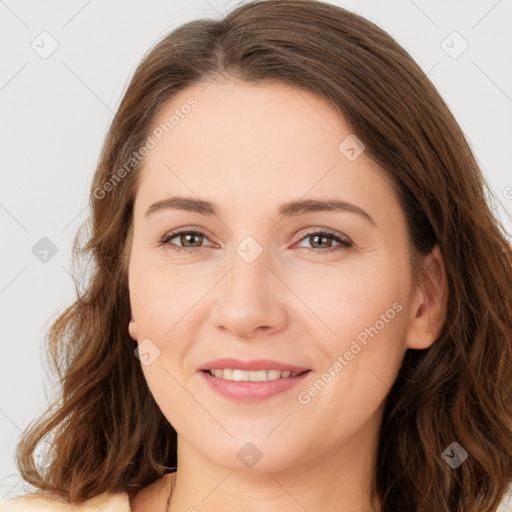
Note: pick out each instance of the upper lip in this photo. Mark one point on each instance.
(255, 364)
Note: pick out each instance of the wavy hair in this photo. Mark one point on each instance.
(106, 428)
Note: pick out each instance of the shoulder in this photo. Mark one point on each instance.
(42, 502)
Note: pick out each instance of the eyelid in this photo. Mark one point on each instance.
(343, 241)
(187, 229)
(165, 240)
(313, 230)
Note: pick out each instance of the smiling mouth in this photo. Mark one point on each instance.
(252, 376)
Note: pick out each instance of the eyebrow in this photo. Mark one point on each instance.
(288, 209)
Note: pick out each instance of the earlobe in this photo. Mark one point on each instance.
(429, 310)
(132, 328)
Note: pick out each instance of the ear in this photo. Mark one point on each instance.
(132, 327)
(429, 306)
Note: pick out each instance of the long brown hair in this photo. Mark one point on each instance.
(106, 428)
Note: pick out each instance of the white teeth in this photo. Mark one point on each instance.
(258, 376)
(238, 375)
(251, 376)
(273, 374)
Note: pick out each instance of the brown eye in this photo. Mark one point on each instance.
(318, 240)
(189, 239)
(195, 239)
(322, 239)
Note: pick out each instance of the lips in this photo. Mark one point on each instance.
(249, 391)
(255, 364)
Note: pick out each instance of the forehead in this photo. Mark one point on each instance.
(251, 143)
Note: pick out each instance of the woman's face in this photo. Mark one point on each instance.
(259, 282)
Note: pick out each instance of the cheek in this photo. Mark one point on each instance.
(161, 300)
(360, 364)
(159, 296)
(363, 313)
(159, 308)
(350, 297)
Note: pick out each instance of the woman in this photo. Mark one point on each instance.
(300, 297)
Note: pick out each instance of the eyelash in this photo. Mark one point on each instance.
(344, 243)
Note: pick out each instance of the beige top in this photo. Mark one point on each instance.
(39, 502)
(113, 502)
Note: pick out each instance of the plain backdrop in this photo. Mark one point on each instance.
(56, 108)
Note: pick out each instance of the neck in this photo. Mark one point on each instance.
(330, 481)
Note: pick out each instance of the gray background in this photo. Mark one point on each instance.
(56, 110)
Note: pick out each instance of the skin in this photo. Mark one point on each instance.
(248, 148)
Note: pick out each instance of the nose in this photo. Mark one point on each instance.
(250, 299)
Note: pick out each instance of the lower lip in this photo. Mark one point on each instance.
(246, 391)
